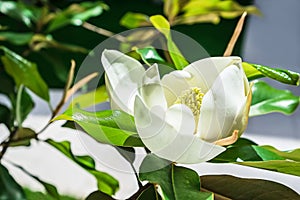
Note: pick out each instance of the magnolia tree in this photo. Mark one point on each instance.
(168, 104)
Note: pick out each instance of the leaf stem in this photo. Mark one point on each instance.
(18, 106)
(139, 192)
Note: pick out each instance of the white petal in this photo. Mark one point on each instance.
(174, 84)
(124, 75)
(204, 72)
(151, 90)
(170, 136)
(221, 104)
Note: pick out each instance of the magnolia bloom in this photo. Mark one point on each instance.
(187, 115)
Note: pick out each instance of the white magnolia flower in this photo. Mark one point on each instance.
(187, 115)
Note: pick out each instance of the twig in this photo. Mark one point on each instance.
(102, 31)
(235, 36)
(5, 145)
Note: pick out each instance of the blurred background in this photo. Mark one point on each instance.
(273, 40)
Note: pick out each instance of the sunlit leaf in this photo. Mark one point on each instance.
(230, 187)
(254, 71)
(9, 188)
(18, 11)
(36, 195)
(106, 183)
(176, 182)
(266, 99)
(24, 72)
(283, 166)
(290, 155)
(162, 25)
(110, 127)
(76, 14)
(133, 20)
(16, 38)
(91, 98)
(149, 55)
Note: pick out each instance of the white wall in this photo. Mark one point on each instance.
(274, 40)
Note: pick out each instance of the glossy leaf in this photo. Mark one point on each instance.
(98, 195)
(91, 98)
(149, 193)
(149, 55)
(18, 11)
(134, 20)
(106, 183)
(16, 38)
(23, 105)
(176, 182)
(24, 72)
(9, 188)
(162, 25)
(230, 187)
(283, 166)
(290, 155)
(266, 99)
(254, 71)
(76, 14)
(110, 127)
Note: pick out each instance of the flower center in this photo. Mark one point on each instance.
(193, 99)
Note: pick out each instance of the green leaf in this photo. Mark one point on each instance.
(127, 152)
(33, 195)
(91, 98)
(24, 72)
(163, 26)
(254, 71)
(9, 188)
(149, 193)
(16, 38)
(283, 166)
(5, 116)
(18, 11)
(171, 8)
(76, 14)
(50, 189)
(110, 127)
(23, 105)
(157, 171)
(133, 20)
(290, 155)
(106, 183)
(98, 195)
(149, 55)
(7, 86)
(230, 187)
(176, 182)
(266, 99)
(186, 184)
(22, 137)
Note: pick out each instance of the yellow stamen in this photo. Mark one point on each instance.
(193, 99)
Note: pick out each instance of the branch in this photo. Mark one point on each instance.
(235, 36)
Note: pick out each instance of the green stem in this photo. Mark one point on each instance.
(18, 106)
